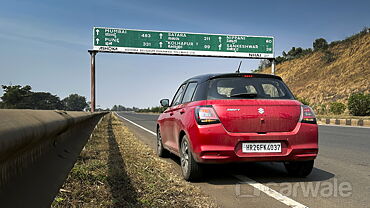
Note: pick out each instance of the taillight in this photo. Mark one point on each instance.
(307, 115)
(206, 115)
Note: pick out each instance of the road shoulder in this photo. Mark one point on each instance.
(115, 169)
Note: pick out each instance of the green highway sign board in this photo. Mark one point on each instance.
(182, 43)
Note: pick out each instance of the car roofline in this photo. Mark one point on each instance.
(258, 75)
(205, 77)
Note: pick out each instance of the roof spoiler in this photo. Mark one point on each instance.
(246, 75)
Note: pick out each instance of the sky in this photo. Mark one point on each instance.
(44, 43)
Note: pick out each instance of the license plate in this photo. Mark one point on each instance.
(261, 147)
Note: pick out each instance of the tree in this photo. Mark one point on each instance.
(114, 108)
(320, 43)
(45, 101)
(88, 108)
(264, 63)
(322, 109)
(280, 59)
(337, 108)
(121, 108)
(16, 97)
(294, 52)
(285, 54)
(75, 102)
(19, 97)
(359, 104)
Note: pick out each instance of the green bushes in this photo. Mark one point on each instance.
(359, 104)
(319, 44)
(322, 109)
(337, 108)
(328, 57)
(304, 101)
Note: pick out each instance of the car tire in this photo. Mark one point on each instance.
(299, 168)
(191, 170)
(161, 151)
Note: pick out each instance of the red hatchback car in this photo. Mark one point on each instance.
(237, 117)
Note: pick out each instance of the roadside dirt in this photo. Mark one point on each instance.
(115, 169)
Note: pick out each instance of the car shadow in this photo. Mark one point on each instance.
(263, 172)
(175, 159)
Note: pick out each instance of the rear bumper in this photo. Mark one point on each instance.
(213, 144)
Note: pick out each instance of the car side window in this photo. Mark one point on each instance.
(177, 98)
(189, 93)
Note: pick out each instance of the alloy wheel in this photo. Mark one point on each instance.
(184, 156)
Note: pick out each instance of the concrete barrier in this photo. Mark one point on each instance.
(343, 122)
(27, 134)
(366, 122)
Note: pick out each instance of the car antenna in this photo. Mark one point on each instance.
(238, 71)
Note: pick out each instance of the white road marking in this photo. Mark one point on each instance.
(267, 190)
(136, 124)
(271, 192)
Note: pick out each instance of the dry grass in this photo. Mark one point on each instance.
(320, 83)
(115, 169)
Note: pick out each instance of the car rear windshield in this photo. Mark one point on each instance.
(247, 88)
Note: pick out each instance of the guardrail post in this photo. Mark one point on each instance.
(92, 67)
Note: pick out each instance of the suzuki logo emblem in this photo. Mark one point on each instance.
(261, 110)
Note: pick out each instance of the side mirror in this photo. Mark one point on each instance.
(165, 102)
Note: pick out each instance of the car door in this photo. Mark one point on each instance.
(168, 127)
(180, 119)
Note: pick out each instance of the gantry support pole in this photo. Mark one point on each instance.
(92, 67)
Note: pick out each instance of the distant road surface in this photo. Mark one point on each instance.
(343, 163)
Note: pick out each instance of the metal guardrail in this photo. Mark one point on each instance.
(27, 134)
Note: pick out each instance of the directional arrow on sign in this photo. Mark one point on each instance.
(219, 47)
(97, 32)
(160, 35)
(160, 44)
(219, 39)
(97, 41)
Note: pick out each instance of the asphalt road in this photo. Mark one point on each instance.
(341, 177)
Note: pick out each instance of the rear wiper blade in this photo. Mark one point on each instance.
(244, 95)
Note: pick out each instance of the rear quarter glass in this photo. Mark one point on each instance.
(247, 88)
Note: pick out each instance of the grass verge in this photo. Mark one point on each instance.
(115, 169)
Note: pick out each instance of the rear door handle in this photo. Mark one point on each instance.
(182, 111)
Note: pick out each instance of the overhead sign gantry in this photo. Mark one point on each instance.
(119, 40)
(182, 43)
